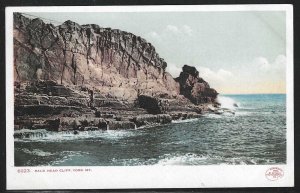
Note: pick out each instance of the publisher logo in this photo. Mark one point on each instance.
(274, 173)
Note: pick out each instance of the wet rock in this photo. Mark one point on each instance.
(76, 124)
(193, 115)
(82, 123)
(40, 126)
(53, 125)
(102, 125)
(117, 125)
(24, 123)
(152, 119)
(90, 128)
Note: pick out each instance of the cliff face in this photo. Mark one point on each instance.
(118, 63)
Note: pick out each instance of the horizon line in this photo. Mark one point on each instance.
(248, 93)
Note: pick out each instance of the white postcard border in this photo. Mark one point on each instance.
(148, 176)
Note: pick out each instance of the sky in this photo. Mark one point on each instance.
(235, 52)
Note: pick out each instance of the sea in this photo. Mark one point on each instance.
(255, 134)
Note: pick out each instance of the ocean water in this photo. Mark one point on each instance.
(255, 134)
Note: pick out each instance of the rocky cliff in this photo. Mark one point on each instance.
(87, 77)
(117, 62)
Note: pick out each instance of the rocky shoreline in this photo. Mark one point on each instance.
(75, 77)
(76, 112)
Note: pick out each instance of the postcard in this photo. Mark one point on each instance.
(187, 96)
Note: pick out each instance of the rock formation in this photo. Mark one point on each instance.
(121, 64)
(73, 77)
(195, 88)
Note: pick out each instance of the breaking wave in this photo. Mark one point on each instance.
(194, 159)
(49, 136)
(37, 152)
(185, 121)
(227, 102)
(187, 159)
(190, 159)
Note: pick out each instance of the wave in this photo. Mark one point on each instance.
(227, 102)
(49, 136)
(187, 159)
(213, 116)
(167, 159)
(185, 120)
(220, 116)
(37, 152)
(30, 131)
(132, 162)
(194, 159)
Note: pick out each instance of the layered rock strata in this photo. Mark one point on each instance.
(117, 62)
(73, 77)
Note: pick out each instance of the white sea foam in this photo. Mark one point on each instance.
(29, 131)
(186, 159)
(227, 102)
(214, 116)
(230, 108)
(194, 159)
(132, 162)
(118, 134)
(185, 121)
(69, 135)
(219, 116)
(37, 152)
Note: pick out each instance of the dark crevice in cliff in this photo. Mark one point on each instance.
(88, 33)
(74, 67)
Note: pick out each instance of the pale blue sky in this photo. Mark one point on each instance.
(236, 52)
